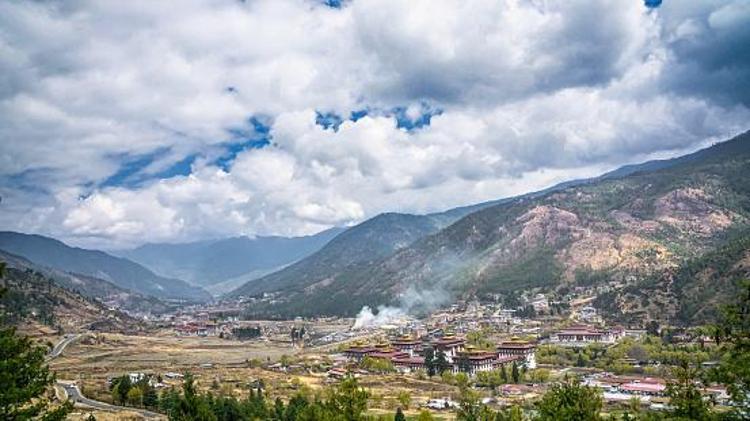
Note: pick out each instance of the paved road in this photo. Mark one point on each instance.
(75, 395)
(58, 349)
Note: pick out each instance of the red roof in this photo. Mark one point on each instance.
(408, 361)
(516, 345)
(388, 354)
(449, 342)
(480, 356)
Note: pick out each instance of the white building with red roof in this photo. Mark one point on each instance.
(523, 351)
(451, 346)
(582, 335)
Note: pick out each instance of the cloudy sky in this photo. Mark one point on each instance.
(123, 122)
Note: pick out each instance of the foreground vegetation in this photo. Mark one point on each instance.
(24, 378)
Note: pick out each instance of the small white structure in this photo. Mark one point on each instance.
(540, 303)
(136, 377)
(588, 314)
(439, 404)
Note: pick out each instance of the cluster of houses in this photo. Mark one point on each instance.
(645, 389)
(407, 354)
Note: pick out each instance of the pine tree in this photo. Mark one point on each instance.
(685, 397)
(429, 361)
(349, 400)
(441, 363)
(515, 374)
(191, 406)
(120, 388)
(150, 398)
(278, 410)
(570, 401)
(294, 409)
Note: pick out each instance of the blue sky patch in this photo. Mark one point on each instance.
(403, 121)
(131, 172)
(181, 167)
(331, 120)
(130, 168)
(334, 4)
(328, 120)
(356, 115)
(255, 134)
(29, 180)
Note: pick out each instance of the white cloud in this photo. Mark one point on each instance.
(531, 93)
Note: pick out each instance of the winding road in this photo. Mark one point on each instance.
(58, 349)
(73, 393)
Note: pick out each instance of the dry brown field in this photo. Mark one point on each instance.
(224, 367)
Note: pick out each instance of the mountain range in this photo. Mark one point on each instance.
(664, 240)
(383, 234)
(224, 264)
(629, 229)
(118, 271)
(90, 287)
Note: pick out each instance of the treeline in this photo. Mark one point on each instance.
(347, 401)
(139, 394)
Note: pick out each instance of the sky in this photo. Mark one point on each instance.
(140, 121)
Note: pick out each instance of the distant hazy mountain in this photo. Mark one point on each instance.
(90, 287)
(206, 263)
(122, 272)
(635, 227)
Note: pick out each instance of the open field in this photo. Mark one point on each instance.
(168, 353)
(224, 367)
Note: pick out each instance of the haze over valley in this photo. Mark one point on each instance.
(375, 210)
